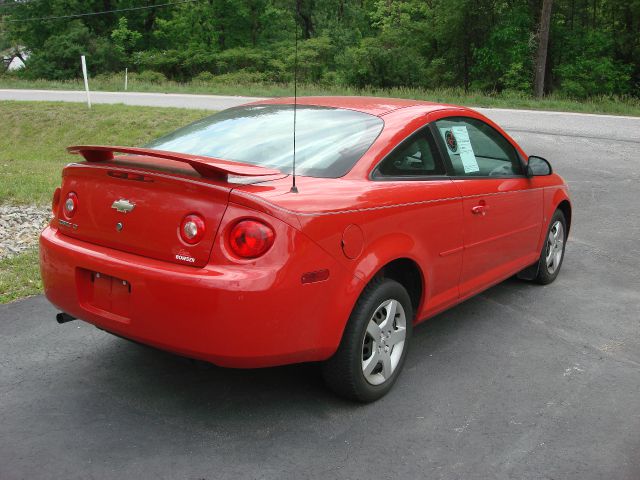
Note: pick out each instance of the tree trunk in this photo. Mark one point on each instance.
(150, 20)
(466, 51)
(572, 10)
(465, 67)
(304, 14)
(543, 44)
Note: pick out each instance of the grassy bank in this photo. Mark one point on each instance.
(35, 135)
(32, 154)
(19, 276)
(115, 83)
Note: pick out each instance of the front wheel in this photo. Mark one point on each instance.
(553, 250)
(374, 344)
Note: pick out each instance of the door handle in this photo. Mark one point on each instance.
(480, 210)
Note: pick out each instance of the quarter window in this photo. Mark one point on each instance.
(475, 149)
(413, 158)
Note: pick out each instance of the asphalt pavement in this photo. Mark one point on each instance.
(177, 100)
(520, 382)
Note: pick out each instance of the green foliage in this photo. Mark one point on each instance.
(395, 55)
(124, 40)
(204, 77)
(151, 77)
(505, 61)
(379, 64)
(592, 71)
(589, 77)
(59, 58)
(486, 45)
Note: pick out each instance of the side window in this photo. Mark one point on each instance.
(476, 149)
(414, 157)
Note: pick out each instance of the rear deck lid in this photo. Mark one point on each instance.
(137, 203)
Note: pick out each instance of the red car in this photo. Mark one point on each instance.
(200, 244)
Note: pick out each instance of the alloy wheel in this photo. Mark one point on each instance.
(383, 342)
(555, 247)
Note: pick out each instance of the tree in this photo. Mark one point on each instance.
(579, 48)
(543, 44)
(124, 39)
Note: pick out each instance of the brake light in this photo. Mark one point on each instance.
(71, 205)
(250, 238)
(55, 203)
(192, 229)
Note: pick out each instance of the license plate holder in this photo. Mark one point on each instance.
(107, 293)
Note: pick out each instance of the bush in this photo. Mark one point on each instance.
(372, 63)
(588, 77)
(505, 60)
(167, 62)
(204, 77)
(240, 77)
(589, 68)
(59, 58)
(235, 59)
(149, 76)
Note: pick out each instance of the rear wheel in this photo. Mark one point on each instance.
(374, 344)
(553, 250)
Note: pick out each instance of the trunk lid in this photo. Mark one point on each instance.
(137, 204)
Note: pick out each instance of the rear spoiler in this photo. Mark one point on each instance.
(208, 167)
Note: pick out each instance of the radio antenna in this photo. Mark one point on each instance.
(294, 189)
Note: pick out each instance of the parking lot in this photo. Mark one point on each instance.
(520, 382)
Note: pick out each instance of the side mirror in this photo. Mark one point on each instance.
(538, 167)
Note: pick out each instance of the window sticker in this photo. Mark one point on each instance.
(459, 143)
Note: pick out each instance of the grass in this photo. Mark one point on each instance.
(32, 153)
(19, 276)
(115, 83)
(35, 134)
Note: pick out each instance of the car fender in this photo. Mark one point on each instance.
(553, 197)
(384, 250)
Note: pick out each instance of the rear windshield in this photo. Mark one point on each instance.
(329, 141)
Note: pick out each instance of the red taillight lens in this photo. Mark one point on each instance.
(71, 205)
(192, 229)
(250, 239)
(55, 203)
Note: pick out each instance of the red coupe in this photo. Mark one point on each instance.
(200, 244)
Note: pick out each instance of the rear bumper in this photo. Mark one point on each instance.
(230, 315)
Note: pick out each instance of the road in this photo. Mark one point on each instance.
(177, 100)
(531, 121)
(520, 382)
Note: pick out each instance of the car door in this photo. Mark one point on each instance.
(434, 219)
(502, 211)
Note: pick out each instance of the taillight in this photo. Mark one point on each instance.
(55, 203)
(250, 238)
(71, 205)
(192, 229)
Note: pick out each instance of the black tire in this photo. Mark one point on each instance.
(547, 274)
(343, 372)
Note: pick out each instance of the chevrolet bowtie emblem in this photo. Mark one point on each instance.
(123, 205)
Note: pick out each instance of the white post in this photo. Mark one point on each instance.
(126, 78)
(86, 79)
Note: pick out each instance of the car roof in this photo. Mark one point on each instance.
(372, 105)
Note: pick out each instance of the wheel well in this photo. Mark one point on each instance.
(565, 208)
(407, 273)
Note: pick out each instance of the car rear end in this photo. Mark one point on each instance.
(160, 254)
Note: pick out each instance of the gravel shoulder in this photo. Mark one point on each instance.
(20, 227)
